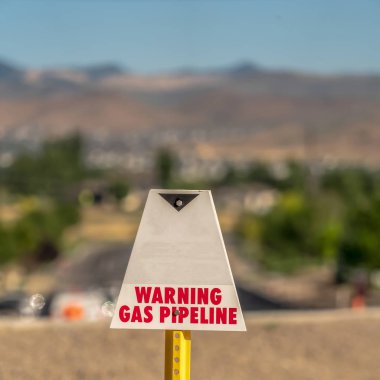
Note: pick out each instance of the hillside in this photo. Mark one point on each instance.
(248, 111)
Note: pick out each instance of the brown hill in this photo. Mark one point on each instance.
(273, 113)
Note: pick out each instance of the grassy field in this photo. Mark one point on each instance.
(298, 346)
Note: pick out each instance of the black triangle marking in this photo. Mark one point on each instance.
(178, 201)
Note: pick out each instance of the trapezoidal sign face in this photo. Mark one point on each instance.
(178, 276)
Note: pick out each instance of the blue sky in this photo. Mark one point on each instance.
(151, 36)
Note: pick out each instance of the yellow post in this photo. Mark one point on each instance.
(177, 354)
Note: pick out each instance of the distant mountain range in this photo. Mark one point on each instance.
(285, 112)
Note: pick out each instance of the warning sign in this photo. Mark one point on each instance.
(178, 276)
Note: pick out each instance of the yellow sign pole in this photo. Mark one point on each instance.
(177, 354)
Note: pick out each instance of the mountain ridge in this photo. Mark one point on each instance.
(342, 112)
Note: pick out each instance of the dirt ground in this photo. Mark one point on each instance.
(286, 346)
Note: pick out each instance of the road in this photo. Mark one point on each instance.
(105, 267)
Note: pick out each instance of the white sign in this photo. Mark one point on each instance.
(178, 276)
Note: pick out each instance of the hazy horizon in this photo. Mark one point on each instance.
(186, 69)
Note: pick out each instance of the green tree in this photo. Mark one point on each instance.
(24, 240)
(166, 165)
(50, 171)
(361, 242)
(8, 246)
(353, 184)
(259, 172)
(119, 189)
